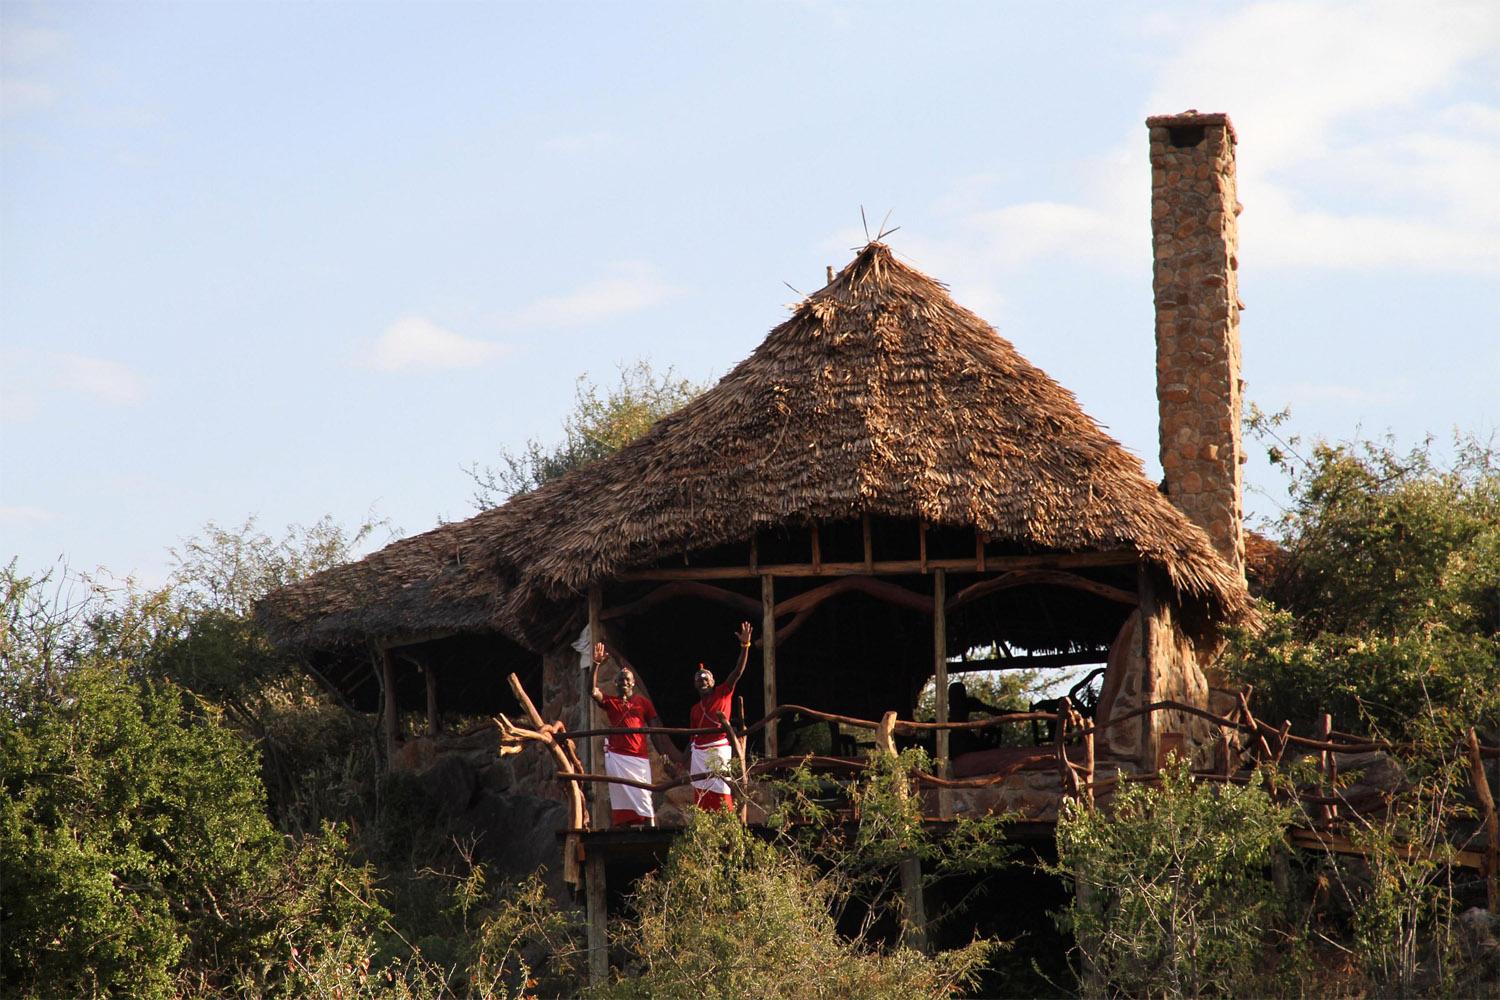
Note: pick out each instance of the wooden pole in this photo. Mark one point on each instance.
(593, 758)
(940, 680)
(864, 527)
(598, 917)
(391, 720)
(1491, 824)
(1147, 601)
(768, 659)
(433, 725)
(914, 905)
(1326, 760)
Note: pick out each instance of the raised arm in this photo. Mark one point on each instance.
(600, 655)
(744, 635)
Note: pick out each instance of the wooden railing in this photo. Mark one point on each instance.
(1264, 744)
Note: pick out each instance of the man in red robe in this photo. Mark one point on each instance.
(625, 754)
(711, 752)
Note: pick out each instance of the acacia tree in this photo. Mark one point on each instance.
(1383, 607)
(603, 421)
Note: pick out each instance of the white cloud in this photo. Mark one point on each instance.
(100, 378)
(26, 514)
(1333, 98)
(19, 95)
(628, 287)
(30, 43)
(23, 50)
(1352, 154)
(416, 342)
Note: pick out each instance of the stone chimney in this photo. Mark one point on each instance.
(1194, 238)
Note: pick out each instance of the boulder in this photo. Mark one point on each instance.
(450, 783)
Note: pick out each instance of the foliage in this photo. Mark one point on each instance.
(1387, 595)
(1173, 896)
(729, 915)
(860, 860)
(602, 422)
(136, 848)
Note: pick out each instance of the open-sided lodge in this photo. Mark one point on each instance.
(892, 495)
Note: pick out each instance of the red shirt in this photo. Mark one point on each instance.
(634, 713)
(706, 713)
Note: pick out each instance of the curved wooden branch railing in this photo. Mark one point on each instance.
(1077, 778)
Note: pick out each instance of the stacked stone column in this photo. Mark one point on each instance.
(1195, 236)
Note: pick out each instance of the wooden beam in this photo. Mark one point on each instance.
(817, 551)
(684, 588)
(597, 903)
(1072, 560)
(1491, 820)
(804, 604)
(433, 723)
(1026, 577)
(391, 721)
(979, 539)
(417, 638)
(864, 527)
(880, 589)
(940, 679)
(594, 747)
(1041, 661)
(768, 659)
(1147, 604)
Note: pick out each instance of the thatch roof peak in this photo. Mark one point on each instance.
(879, 395)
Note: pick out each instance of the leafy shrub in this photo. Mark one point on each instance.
(729, 915)
(1173, 893)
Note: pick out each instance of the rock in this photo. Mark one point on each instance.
(498, 776)
(1375, 770)
(450, 783)
(516, 834)
(1478, 929)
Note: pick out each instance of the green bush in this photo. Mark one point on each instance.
(133, 826)
(1174, 896)
(732, 916)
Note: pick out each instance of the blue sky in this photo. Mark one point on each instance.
(293, 260)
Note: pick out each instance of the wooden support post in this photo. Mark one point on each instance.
(768, 659)
(433, 725)
(391, 720)
(1491, 824)
(914, 905)
(922, 546)
(597, 903)
(979, 539)
(864, 526)
(593, 757)
(1146, 596)
(817, 551)
(940, 680)
(1327, 768)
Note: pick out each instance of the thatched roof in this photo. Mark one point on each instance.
(437, 581)
(879, 395)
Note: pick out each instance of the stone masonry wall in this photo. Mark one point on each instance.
(1195, 236)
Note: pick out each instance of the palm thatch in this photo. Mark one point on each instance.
(438, 581)
(879, 395)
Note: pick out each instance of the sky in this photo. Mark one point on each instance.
(296, 260)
